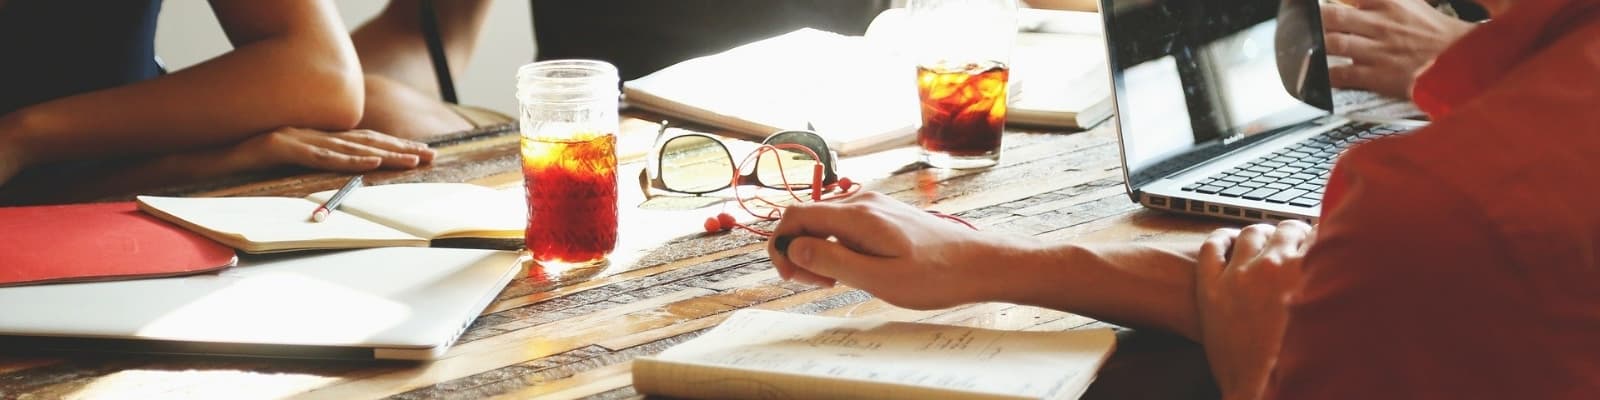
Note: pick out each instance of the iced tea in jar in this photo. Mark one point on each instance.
(569, 160)
(962, 49)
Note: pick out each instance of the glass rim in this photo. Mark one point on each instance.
(591, 81)
(577, 64)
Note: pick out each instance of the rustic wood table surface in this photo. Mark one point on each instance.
(573, 334)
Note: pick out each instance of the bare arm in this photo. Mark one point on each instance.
(909, 258)
(292, 65)
(1150, 286)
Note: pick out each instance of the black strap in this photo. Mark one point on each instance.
(441, 63)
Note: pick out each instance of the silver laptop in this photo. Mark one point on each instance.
(386, 303)
(1223, 106)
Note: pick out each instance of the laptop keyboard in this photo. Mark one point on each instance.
(1294, 175)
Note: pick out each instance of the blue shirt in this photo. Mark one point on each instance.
(56, 48)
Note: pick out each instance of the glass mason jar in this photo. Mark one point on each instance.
(962, 49)
(569, 160)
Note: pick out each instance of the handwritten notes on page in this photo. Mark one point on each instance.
(766, 354)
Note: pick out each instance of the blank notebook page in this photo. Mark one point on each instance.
(435, 210)
(271, 219)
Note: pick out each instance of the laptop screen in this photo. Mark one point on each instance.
(1195, 79)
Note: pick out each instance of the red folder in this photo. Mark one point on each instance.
(90, 242)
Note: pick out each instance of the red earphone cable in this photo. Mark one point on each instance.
(723, 221)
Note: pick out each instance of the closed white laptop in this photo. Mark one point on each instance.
(383, 303)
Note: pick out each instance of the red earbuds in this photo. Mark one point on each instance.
(721, 222)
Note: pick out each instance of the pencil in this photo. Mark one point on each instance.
(333, 202)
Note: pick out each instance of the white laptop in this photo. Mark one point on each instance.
(1223, 106)
(384, 303)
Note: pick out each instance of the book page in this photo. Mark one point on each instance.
(857, 95)
(1057, 75)
(257, 224)
(971, 360)
(439, 210)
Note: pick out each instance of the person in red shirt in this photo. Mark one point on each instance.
(1460, 261)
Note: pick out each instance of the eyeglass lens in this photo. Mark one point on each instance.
(695, 164)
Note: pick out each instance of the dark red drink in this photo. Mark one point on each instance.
(963, 108)
(572, 197)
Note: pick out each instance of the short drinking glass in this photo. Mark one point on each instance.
(962, 48)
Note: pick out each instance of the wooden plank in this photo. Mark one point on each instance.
(587, 384)
(656, 344)
(10, 365)
(513, 302)
(647, 336)
(614, 293)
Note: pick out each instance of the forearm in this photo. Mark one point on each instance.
(1127, 284)
(292, 80)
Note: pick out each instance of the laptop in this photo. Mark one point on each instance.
(400, 303)
(1223, 106)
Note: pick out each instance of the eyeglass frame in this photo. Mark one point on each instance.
(650, 176)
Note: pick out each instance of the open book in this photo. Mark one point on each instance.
(768, 354)
(411, 214)
(861, 94)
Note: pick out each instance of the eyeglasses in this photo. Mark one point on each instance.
(794, 160)
(698, 164)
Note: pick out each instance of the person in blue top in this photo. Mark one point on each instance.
(79, 81)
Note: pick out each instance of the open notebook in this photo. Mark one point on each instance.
(411, 214)
(768, 354)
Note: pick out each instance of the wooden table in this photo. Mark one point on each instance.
(562, 334)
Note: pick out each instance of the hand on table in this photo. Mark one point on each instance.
(899, 253)
(1242, 285)
(1389, 41)
(349, 151)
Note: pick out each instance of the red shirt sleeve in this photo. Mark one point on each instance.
(1411, 293)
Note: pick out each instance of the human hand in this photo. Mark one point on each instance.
(1242, 295)
(349, 151)
(899, 253)
(1388, 41)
